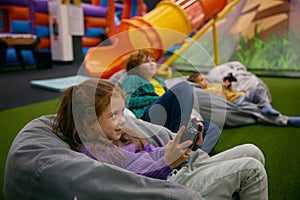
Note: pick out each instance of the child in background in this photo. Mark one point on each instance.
(91, 120)
(149, 98)
(256, 96)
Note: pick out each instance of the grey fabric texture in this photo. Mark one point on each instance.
(41, 166)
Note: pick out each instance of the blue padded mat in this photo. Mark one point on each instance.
(58, 84)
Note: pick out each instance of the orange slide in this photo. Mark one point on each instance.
(168, 24)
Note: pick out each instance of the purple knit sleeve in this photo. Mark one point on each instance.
(155, 152)
(148, 162)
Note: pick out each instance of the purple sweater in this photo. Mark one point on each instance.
(147, 162)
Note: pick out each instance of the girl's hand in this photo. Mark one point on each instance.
(176, 153)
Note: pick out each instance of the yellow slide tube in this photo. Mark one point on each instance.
(167, 15)
(168, 24)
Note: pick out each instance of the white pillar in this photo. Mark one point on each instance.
(60, 36)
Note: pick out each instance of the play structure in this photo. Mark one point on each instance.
(184, 49)
(169, 23)
(16, 19)
(102, 18)
(32, 17)
(126, 9)
(263, 35)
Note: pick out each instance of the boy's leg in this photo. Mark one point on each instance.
(173, 109)
(211, 136)
(260, 97)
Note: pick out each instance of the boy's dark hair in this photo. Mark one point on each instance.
(230, 78)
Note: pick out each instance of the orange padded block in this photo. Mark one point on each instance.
(19, 13)
(96, 22)
(95, 2)
(90, 42)
(4, 16)
(44, 43)
(41, 19)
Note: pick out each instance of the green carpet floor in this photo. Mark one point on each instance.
(279, 144)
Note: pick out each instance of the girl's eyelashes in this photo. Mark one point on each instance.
(116, 114)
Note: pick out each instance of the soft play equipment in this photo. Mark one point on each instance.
(18, 14)
(58, 84)
(126, 10)
(26, 17)
(169, 23)
(99, 19)
(31, 16)
(133, 8)
(110, 14)
(41, 24)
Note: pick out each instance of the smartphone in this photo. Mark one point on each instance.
(191, 132)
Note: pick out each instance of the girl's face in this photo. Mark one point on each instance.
(112, 119)
(200, 80)
(148, 68)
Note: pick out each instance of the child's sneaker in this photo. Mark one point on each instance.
(294, 121)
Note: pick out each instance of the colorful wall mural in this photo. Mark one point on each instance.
(262, 35)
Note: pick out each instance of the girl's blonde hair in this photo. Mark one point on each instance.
(77, 122)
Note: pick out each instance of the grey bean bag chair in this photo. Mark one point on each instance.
(41, 166)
